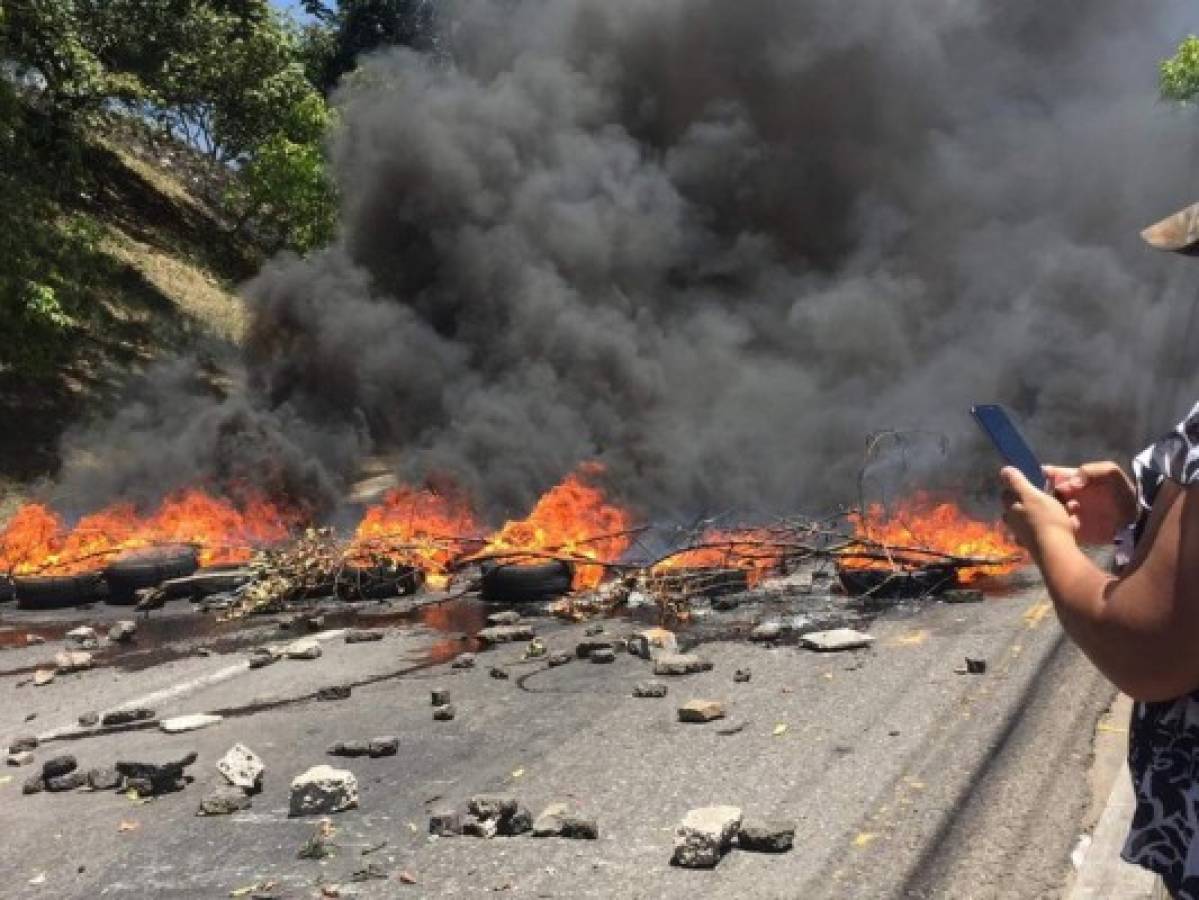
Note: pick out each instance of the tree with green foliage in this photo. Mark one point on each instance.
(345, 32)
(1178, 77)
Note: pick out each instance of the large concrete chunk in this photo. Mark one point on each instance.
(223, 802)
(72, 660)
(652, 642)
(304, 649)
(701, 711)
(705, 835)
(680, 664)
(506, 634)
(323, 790)
(242, 768)
(836, 639)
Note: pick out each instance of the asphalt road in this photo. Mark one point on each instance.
(904, 778)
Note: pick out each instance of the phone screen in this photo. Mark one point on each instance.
(1010, 443)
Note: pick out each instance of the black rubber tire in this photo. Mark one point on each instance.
(8, 590)
(883, 584)
(57, 591)
(525, 582)
(377, 582)
(147, 568)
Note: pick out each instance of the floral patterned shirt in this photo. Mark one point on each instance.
(1163, 741)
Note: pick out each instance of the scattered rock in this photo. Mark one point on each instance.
(603, 655)
(701, 711)
(766, 837)
(680, 664)
(44, 676)
(33, 785)
(506, 634)
(445, 713)
(637, 599)
(314, 623)
(504, 617)
(580, 828)
(464, 661)
(732, 728)
(105, 779)
(334, 692)
(836, 640)
(21, 758)
(518, 823)
(32, 639)
(194, 722)
(963, 595)
(584, 649)
(72, 661)
(492, 806)
(559, 659)
(363, 635)
(445, 823)
(551, 820)
(593, 630)
(62, 783)
(25, 742)
(705, 835)
(242, 768)
(305, 649)
(387, 745)
(322, 790)
(976, 666)
(476, 827)
(350, 748)
(440, 697)
(536, 649)
(741, 676)
(59, 765)
(767, 631)
(649, 643)
(156, 778)
(649, 689)
(89, 720)
(81, 635)
(122, 632)
(126, 716)
(224, 801)
(499, 673)
(261, 656)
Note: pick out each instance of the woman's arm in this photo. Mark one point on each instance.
(1142, 629)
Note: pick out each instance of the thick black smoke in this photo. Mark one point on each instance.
(716, 244)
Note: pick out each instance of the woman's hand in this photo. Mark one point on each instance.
(1036, 519)
(1099, 497)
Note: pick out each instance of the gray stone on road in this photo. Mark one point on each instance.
(705, 836)
(323, 790)
(242, 768)
(836, 640)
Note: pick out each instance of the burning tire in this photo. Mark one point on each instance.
(147, 568)
(377, 582)
(889, 584)
(8, 590)
(525, 582)
(57, 591)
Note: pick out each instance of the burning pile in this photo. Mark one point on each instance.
(572, 538)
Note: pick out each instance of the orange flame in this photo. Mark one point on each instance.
(743, 548)
(922, 523)
(573, 519)
(418, 528)
(37, 540)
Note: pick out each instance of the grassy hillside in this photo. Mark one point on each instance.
(151, 269)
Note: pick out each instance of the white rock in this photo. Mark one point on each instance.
(680, 664)
(82, 634)
(242, 767)
(649, 643)
(305, 649)
(72, 660)
(194, 722)
(44, 676)
(322, 790)
(836, 639)
(705, 836)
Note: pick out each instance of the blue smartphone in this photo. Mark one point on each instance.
(994, 420)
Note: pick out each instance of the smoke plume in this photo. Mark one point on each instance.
(715, 245)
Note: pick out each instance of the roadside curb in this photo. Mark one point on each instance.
(1103, 874)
